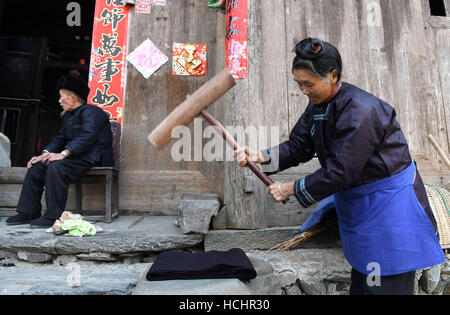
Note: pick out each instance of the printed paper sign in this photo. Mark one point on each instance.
(143, 6)
(158, 2)
(189, 59)
(147, 58)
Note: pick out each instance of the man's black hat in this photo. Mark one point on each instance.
(74, 84)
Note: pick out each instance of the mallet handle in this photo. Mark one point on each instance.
(229, 138)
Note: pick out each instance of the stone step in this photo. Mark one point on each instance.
(303, 271)
(266, 283)
(76, 278)
(125, 235)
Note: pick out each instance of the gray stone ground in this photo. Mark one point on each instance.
(115, 262)
(76, 278)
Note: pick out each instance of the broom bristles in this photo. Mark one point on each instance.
(299, 239)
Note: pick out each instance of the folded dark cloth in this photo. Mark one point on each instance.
(174, 265)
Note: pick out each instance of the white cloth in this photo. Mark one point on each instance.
(5, 151)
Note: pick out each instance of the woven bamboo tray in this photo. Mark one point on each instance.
(439, 199)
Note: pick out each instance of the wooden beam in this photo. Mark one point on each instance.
(439, 21)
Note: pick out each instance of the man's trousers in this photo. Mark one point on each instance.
(56, 178)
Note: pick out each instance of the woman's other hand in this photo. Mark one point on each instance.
(243, 154)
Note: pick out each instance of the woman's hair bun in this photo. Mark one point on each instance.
(320, 58)
(310, 49)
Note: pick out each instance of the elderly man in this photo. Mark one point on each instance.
(83, 141)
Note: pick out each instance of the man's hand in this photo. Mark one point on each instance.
(37, 159)
(51, 157)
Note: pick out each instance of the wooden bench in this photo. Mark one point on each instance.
(112, 183)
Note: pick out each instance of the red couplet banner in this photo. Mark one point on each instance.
(108, 57)
(236, 38)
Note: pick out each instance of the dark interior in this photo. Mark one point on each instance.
(437, 8)
(37, 46)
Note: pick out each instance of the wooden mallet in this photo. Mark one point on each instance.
(194, 105)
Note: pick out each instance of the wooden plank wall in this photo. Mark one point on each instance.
(391, 48)
(150, 180)
(388, 49)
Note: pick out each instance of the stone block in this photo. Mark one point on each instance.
(98, 257)
(314, 271)
(64, 260)
(219, 222)
(34, 257)
(194, 216)
(266, 282)
(430, 278)
(4, 254)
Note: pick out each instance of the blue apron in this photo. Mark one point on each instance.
(384, 223)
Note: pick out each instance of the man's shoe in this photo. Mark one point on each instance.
(21, 218)
(41, 223)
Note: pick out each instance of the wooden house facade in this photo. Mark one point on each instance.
(394, 49)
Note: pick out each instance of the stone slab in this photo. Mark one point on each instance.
(34, 257)
(126, 234)
(266, 283)
(78, 278)
(192, 287)
(310, 271)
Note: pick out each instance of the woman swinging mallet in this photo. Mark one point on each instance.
(381, 203)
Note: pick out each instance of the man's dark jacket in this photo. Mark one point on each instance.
(86, 133)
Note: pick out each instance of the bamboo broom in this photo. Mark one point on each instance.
(296, 241)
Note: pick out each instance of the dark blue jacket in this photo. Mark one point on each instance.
(86, 133)
(357, 139)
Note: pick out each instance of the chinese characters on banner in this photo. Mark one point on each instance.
(107, 66)
(236, 38)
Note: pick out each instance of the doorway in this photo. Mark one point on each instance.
(39, 42)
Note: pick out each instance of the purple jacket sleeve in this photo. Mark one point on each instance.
(359, 131)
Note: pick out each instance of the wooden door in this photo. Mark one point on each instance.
(150, 179)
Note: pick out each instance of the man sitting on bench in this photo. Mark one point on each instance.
(83, 141)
